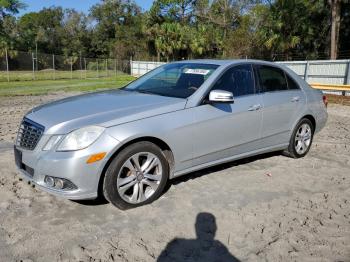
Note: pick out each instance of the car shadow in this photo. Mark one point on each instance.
(203, 248)
(217, 168)
(92, 202)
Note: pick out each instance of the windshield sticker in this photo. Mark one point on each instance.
(196, 71)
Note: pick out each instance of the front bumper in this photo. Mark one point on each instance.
(68, 165)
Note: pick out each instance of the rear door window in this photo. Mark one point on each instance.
(238, 80)
(272, 79)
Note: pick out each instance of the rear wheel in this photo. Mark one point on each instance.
(137, 176)
(301, 139)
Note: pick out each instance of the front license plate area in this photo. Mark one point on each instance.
(18, 158)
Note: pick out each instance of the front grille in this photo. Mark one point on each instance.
(29, 134)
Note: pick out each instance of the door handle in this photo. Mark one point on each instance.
(254, 107)
(295, 99)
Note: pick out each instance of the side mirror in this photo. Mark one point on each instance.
(220, 96)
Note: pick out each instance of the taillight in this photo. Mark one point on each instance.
(325, 100)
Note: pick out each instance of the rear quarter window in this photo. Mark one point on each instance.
(292, 85)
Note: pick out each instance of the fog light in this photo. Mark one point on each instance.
(59, 183)
(50, 181)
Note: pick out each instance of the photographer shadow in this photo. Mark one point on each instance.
(204, 248)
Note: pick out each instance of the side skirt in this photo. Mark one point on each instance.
(229, 159)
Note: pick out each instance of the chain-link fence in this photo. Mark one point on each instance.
(23, 66)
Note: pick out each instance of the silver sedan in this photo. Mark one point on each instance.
(125, 144)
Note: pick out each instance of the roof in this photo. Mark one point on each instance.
(223, 61)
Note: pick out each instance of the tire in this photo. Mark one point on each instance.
(136, 176)
(300, 144)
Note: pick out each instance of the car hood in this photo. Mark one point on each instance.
(108, 108)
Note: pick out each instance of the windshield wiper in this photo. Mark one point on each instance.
(150, 93)
(139, 91)
(145, 92)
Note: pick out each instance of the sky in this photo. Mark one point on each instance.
(80, 5)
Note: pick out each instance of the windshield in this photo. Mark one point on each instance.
(175, 80)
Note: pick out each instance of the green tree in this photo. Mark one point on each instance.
(117, 24)
(175, 32)
(8, 35)
(42, 29)
(131, 31)
(169, 39)
(172, 11)
(294, 27)
(240, 41)
(177, 29)
(226, 16)
(10, 7)
(75, 33)
(8, 30)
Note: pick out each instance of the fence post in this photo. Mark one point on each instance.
(53, 67)
(7, 66)
(131, 67)
(98, 72)
(115, 67)
(306, 74)
(85, 68)
(71, 68)
(106, 62)
(33, 66)
(347, 77)
(347, 81)
(36, 55)
(81, 67)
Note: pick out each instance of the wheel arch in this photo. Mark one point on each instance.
(159, 142)
(312, 119)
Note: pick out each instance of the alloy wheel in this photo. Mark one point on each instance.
(303, 138)
(139, 177)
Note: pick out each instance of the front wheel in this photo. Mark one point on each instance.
(137, 176)
(301, 139)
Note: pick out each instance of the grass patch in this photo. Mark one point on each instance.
(39, 87)
(50, 74)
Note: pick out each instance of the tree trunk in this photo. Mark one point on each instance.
(183, 13)
(224, 10)
(335, 25)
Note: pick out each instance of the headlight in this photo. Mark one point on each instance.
(80, 138)
(52, 142)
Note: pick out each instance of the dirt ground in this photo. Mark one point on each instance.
(300, 212)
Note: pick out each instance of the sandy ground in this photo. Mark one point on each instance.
(299, 213)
